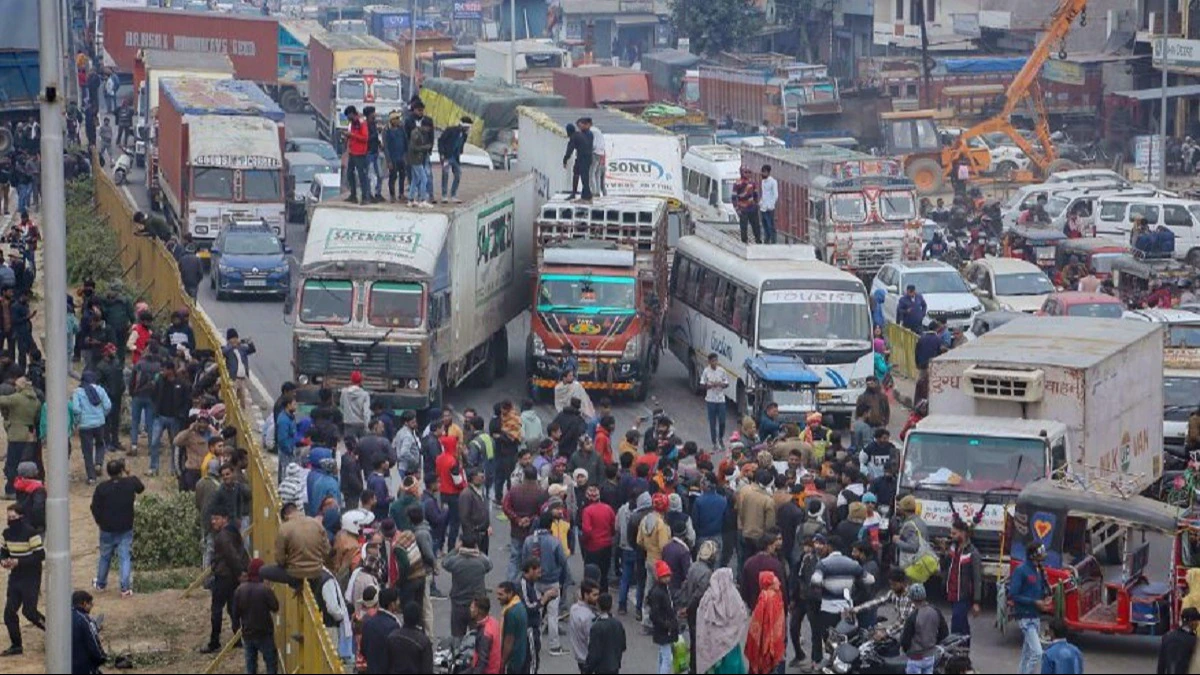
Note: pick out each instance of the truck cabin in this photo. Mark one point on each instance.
(588, 292)
(809, 91)
(232, 160)
(370, 86)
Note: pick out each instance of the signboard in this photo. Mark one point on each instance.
(237, 161)
(937, 513)
(1180, 53)
(1147, 156)
(1064, 72)
(814, 296)
(349, 242)
(468, 10)
(495, 261)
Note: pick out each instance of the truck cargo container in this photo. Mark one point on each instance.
(431, 46)
(220, 156)
(20, 80)
(1071, 396)
(357, 70)
(386, 23)
(492, 105)
(596, 86)
(251, 42)
(601, 287)
(151, 68)
(857, 210)
(439, 286)
(642, 160)
(536, 61)
(294, 36)
(769, 88)
(669, 80)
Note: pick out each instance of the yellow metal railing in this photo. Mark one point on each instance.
(304, 644)
(904, 350)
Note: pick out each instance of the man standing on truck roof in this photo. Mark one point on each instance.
(373, 147)
(580, 143)
(770, 196)
(450, 149)
(599, 161)
(746, 200)
(356, 149)
(395, 143)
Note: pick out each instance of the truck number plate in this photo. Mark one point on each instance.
(256, 283)
(824, 396)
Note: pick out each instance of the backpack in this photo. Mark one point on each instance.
(635, 524)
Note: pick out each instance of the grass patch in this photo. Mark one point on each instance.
(163, 580)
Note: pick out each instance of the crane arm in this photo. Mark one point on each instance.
(1023, 83)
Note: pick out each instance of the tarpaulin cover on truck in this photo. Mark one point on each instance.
(983, 65)
(491, 103)
(219, 97)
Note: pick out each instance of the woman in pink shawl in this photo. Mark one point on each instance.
(721, 622)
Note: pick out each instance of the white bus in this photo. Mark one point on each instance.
(709, 172)
(742, 301)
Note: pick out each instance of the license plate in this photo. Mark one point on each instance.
(824, 396)
(250, 283)
(586, 367)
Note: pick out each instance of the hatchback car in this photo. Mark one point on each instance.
(947, 296)
(302, 167)
(248, 259)
(1078, 303)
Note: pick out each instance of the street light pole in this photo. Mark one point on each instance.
(54, 269)
(1162, 116)
(512, 42)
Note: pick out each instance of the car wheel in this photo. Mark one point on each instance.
(1193, 257)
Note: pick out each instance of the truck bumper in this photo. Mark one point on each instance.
(838, 401)
(392, 400)
(603, 374)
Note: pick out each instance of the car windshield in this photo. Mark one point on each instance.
(211, 183)
(971, 463)
(1056, 205)
(251, 243)
(936, 282)
(1097, 310)
(850, 208)
(1024, 283)
(304, 172)
(1185, 335)
(318, 148)
(791, 319)
(327, 302)
(897, 205)
(261, 185)
(395, 305)
(1180, 397)
(586, 294)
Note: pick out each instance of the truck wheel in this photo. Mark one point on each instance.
(499, 352)
(1060, 165)
(291, 101)
(927, 175)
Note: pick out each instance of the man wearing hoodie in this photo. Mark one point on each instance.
(31, 495)
(356, 406)
(22, 554)
(546, 548)
(323, 482)
(532, 429)
(597, 524)
(451, 483)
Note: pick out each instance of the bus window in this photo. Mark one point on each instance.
(682, 267)
(693, 181)
(708, 291)
(693, 283)
(724, 301)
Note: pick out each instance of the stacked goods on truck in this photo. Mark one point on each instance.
(251, 42)
(774, 89)
(153, 66)
(20, 79)
(357, 70)
(1032, 398)
(492, 105)
(669, 71)
(220, 156)
(857, 210)
(596, 86)
(601, 288)
(439, 285)
(642, 160)
(536, 62)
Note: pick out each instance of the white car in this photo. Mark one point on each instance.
(947, 296)
(1181, 379)
(1009, 284)
(1028, 195)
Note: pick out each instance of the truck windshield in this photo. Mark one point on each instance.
(793, 319)
(794, 96)
(897, 205)
(1184, 336)
(586, 294)
(848, 208)
(1180, 395)
(396, 305)
(212, 183)
(971, 463)
(261, 185)
(326, 302)
(354, 90)
(387, 90)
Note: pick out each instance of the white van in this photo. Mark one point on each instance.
(1062, 204)
(1114, 219)
(709, 172)
(1028, 195)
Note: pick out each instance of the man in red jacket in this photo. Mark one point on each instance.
(356, 146)
(451, 482)
(598, 522)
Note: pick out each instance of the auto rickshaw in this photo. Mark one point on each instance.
(1096, 254)
(783, 380)
(1132, 277)
(1082, 528)
(1037, 244)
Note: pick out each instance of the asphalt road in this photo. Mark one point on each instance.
(262, 320)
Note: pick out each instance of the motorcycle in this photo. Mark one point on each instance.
(121, 167)
(448, 660)
(881, 653)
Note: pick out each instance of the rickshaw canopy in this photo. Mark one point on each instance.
(1038, 235)
(1049, 497)
(1090, 246)
(1150, 269)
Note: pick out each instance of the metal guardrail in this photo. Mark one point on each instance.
(304, 644)
(904, 349)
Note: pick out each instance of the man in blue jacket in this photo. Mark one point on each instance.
(1029, 593)
(450, 149)
(87, 654)
(1061, 657)
(910, 310)
(395, 145)
(708, 514)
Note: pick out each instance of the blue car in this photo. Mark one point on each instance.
(249, 260)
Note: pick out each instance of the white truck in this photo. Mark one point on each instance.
(642, 160)
(417, 300)
(536, 62)
(1070, 396)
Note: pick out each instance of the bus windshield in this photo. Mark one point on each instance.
(800, 318)
(848, 208)
(327, 302)
(971, 463)
(585, 294)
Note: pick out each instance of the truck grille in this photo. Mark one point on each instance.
(951, 316)
(323, 358)
(873, 258)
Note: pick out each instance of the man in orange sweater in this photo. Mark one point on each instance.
(356, 148)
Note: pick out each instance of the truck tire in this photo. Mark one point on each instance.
(926, 174)
(499, 352)
(291, 101)
(1060, 165)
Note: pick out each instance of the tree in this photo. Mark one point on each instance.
(714, 26)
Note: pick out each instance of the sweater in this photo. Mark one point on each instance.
(468, 570)
(356, 405)
(112, 503)
(255, 603)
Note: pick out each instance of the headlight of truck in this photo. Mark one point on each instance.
(303, 380)
(539, 347)
(631, 349)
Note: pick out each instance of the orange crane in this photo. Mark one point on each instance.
(1024, 85)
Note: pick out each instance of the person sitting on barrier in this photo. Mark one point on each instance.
(300, 549)
(152, 226)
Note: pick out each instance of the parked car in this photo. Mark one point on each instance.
(986, 322)
(314, 145)
(1076, 303)
(247, 258)
(947, 296)
(302, 166)
(1009, 284)
(324, 187)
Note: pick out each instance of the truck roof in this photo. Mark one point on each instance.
(1072, 342)
(196, 96)
(344, 41)
(302, 29)
(188, 61)
(983, 426)
(236, 142)
(608, 121)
